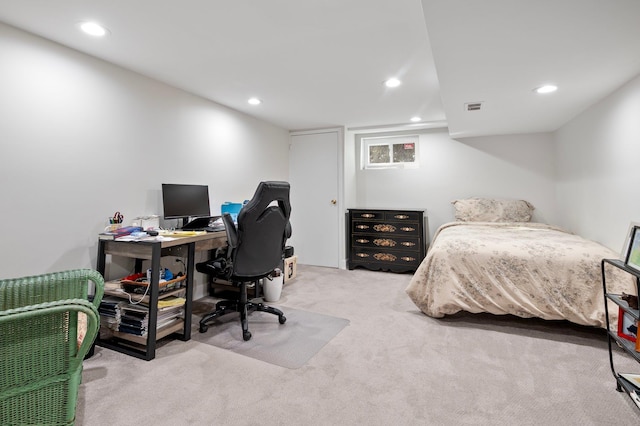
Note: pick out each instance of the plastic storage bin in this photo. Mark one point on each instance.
(232, 208)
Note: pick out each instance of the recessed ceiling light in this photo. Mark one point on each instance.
(547, 88)
(416, 119)
(254, 101)
(392, 82)
(94, 29)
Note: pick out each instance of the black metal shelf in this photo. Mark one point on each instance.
(627, 345)
(617, 299)
(612, 336)
(620, 264)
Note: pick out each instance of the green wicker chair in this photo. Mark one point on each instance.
(40, 355)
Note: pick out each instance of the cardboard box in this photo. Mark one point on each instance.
(290, 268)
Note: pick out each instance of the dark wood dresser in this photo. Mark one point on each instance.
(389, 240)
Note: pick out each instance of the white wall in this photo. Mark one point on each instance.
(514, 167)
(597, 155)
(81, 138)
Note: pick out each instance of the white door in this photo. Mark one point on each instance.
(314, 177)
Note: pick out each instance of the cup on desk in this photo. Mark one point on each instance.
(112, 226)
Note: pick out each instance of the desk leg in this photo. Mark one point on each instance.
(100, 267)
(153, 302)
(101, 261)
(188, 305)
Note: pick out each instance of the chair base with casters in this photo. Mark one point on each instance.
(244, 307)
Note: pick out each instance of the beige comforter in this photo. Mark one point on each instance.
(523, 269)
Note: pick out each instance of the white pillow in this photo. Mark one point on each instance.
(492, 210)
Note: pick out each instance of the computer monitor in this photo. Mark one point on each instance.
(185, 201)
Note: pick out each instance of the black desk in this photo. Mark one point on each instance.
(153, 251)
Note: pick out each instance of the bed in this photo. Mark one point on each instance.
(515, 267)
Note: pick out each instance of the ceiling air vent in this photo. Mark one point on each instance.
(473, 106)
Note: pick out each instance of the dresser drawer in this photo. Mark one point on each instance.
(368, 214)
(360, 227)
(382, 257)
(390, 242)
(400, 216)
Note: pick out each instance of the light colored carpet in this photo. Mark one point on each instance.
(289, 345)
(392, 365)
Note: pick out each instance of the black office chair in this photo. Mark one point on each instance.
(255, 249)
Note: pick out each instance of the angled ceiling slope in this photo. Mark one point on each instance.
(497, 51)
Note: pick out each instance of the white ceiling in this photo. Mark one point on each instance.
(321, 63)
(497, 51)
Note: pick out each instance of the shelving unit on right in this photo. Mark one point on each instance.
(627, 345)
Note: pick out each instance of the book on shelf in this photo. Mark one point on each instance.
(134, 320)
(634, 389)
(171, 301)
(633, 379)
(120, 232)
(170, 312)
(109, 311)
(635, 397)
(132, 329)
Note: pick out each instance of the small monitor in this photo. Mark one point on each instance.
(185, 201)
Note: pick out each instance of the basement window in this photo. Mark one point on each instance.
(390, 152)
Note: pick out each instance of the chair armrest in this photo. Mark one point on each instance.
(98, 281)
(232, 232)
(36, 289)
(288, 231)
(59, 306)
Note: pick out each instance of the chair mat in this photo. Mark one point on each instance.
(289, 345)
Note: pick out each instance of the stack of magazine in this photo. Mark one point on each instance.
(134, 318)
(110, 312)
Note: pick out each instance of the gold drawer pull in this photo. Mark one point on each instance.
(362, 255)
(386, 257)
(384, 228)
(362, 241)
(408, 244)
(367, 215)
(362, 226)
(407, 229)
(408, 259)
(384, 242)
(401, 216)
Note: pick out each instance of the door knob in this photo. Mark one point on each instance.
(334, 202)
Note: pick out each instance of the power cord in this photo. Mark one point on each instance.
(184, 267)
(146, 291)
(131, 301)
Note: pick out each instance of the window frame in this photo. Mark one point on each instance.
(390, 141)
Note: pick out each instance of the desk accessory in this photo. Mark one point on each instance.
(120, 232)
(134, 286)
(115, 222)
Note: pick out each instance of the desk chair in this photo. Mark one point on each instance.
(255, 249)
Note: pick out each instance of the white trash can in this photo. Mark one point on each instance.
(272, 286)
